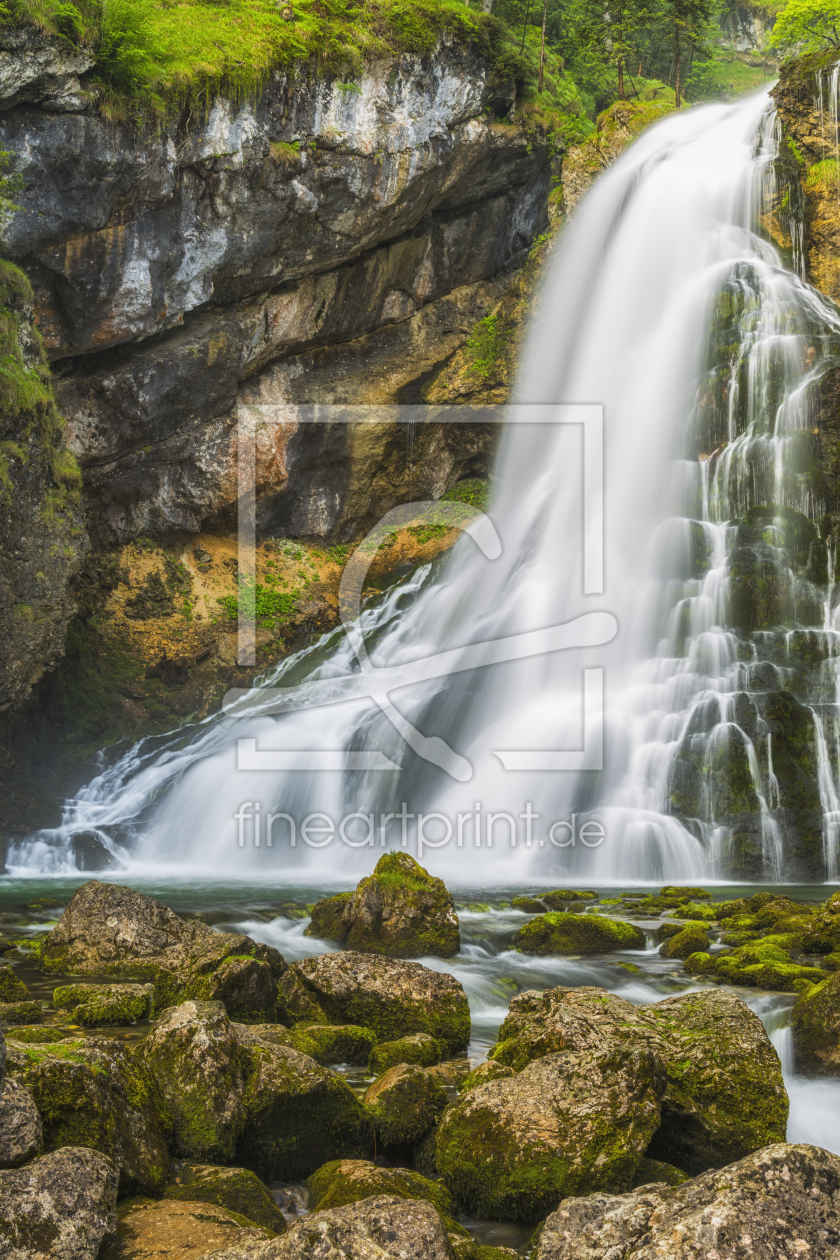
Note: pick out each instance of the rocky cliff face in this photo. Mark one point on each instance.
(183, 275)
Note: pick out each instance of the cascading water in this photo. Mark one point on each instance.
(668, 302)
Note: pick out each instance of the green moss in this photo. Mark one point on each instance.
(652, 1171)
(405, 1103)
(823, 176)
(12, 988)
(559, 898)
(107, 1005)
(489, 1071)
(349, 1181)
(34, 1033)
(420, 1049)
(236, 1189)
(327, 919)
(559, 933)
(690, 940)
(529, 905)
(342, 1043)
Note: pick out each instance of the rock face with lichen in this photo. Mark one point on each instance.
(393, 997)
(782, 1201)
(815, 1020)
(108, 930)
(237, 1189)
(63, 1205)
(400, 910)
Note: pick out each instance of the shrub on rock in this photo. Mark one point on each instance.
(237, 1189)
(98, 1094)
(63, 1205)
(108, 930)
(392, 997)
(400, 910)
(564, 933)
(781, 1201)
(405, 1103)
(419, 1048)
(816, 1029)
(112, 1005)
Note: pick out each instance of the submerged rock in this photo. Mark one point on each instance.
(564, 933)
(236, 1189)
(62, 1206)
(98, 1094)
(105, 1004)
(384, 1227)
(400, 910)
(108, 930)
(21, 1132)
(569, 1123)
(780, 1202)
(816, 1029)
(147, 1230)
(406, 1102)
(393, 997)
(420, 1048)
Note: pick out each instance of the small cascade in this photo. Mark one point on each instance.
(829, 798)
(828, 107)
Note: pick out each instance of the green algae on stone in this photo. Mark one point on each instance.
(489, 1071)
(420, 1049)
(332, 1043)
(405, 1103)
(815, 1020)
(690, 940)
(104, 1004)
(559, 898)
(237, 1189)
(400, 911)
(761, 964)
(12, 1013)
(529, 905)
(34, 1033)
(12, 988)
(561, 933)
(351, 1180)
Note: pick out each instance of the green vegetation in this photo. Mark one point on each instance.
(260, 601)
(805, 26)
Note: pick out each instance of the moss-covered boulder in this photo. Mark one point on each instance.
(816, 1029)
(725, 1096)
(764, 963)
(98, 1094)
(12, 988)
(109, 1005)
(392, 997)
(489, 1071)
(585, 1018)
(13, 1013)
(567, 1124)
(115, 932)
(419, 1048)
(237, 1189)
(62, 1206)
(298, 1114)
(332, 1043)
(529, 905)
(148, 1229)
(691, 940)
(351, 1180)
(400, 910)
(405, 1103)
(564, 933)
(194, 1053)
(39, 1034)
(821, 935)
(653, 1171)
(560, 898)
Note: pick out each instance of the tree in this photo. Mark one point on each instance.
(610, 35)
(807, 26)
(689, 22)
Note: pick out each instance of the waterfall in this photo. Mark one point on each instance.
(668, 302)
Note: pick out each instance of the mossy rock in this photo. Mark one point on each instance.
(351, 1180)
(666, 931)
(36, 1034)
(175, 1227)
(109, 1005)
(529, 905)
(761, 965)
(97, 1093)
(815, 1020)
(13, 1013)
(400, 910)
(12, 988)
(700, 913)
(690, 940)
(560, 933)
(420, 1049)
(822, 934)
(405, 1103)
(237, 1189)
(334, 1043)
(687, 893)
(559, 898)
(651, 1171)
(489, 1071)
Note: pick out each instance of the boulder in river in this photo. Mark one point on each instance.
(331, 1043)
(21, 1131)
(406, 1102)
(149, 1229)
(393, 997)
(12, 988)
(780, 1203)
(14, 1013)
(98, 1094)
(821, 935)
(62, 1206)
(419, 1048)
(237, 1189)
(816, 1029)
(400, 910)
(569, 1123)
(688, 940)
(111, 1005)
(350, 1180)
(111, 931)
(564, 933)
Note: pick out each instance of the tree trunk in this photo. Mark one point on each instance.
(525, 26)
(677, 59)
(486, 5)
(542, 47)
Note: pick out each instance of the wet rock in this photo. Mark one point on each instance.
(393, 997)
(560, 898)
(815, 1020)
(90, 853)
(563, 933)
(821, 935)
(14, 1013)
(529, 905)
(98, 1094)
(419, 1048)
(585, 1018)
(12, 988)
(690, 940)
(62, 1206)
(328, 1043)
(109, 930)
(762, 964)
(400, 910)
(780, 1202)
(194, 1053)
(405, 1103)
(149, 1230)
(105, 1004)
(236, 1189)
(650, 1171)
(489, 1071)
(345, 1181)
(568, 1123)
(383, 1227)
(21, 1134)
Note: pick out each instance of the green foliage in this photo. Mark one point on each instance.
(805, 26)
(257, 600)
(475, 492)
